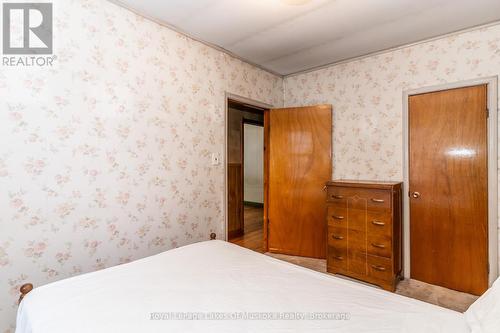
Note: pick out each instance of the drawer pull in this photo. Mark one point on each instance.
(375, 222)
(378, 268)
(380, 246)
(338, 257)
(337, 237)
(378, 200)
(338, 217)
(336, 196)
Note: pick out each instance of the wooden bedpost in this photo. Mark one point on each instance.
(213, 236)
(25, 289)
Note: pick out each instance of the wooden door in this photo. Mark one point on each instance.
(449, 188)
(299, 164)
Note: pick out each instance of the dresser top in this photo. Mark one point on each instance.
(364, 183)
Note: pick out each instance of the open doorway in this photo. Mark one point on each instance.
(297, 161)
(245, 171)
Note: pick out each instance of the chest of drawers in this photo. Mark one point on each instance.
(365, 231)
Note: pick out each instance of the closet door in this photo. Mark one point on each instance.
(448, 168)
(299, 161)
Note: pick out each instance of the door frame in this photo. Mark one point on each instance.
(244, 100)
(493, 223)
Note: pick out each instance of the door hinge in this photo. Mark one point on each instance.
(487, 113)
(488, 268)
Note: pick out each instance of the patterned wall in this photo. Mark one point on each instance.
(367, 96)
(106, 155)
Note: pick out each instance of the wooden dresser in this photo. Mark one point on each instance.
(365, 231)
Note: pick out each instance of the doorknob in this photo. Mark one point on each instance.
(415, 195)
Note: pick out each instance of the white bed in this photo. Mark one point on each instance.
(217, 276)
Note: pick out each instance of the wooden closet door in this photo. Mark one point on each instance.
(300, 163)
(449, 188)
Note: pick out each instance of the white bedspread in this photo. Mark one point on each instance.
(217, 276)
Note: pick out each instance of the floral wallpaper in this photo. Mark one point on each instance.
(106, 155)
(367, 96)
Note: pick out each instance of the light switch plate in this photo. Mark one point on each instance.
(215, 159)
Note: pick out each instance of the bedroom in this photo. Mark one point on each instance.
(115, 144)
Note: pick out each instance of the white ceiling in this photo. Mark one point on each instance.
(286, 38)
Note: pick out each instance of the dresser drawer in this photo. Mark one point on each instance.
(379, 245)
(336, 215)
(359, 198)
(379, 223)
(358, 219)
(337, 237)
(379, 268)
(379, 199)
(336, 194)
(337, 258)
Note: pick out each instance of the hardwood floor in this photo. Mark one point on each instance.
(253, 235)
